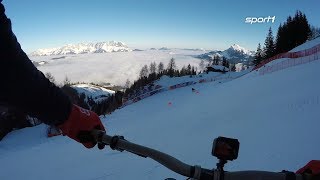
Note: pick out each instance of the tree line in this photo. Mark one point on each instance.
(149, 74)
(223, 61)
(292, 33)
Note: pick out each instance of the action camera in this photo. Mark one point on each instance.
(225, 148)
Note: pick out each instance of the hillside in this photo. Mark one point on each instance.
(97, 93)
(275, 117)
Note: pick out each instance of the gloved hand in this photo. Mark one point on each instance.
(79, 126)
(312, 168)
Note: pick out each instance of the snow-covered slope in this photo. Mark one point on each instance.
(235, 54)
(83, 48)
(97, 93)
(306, 45)
(275, 117)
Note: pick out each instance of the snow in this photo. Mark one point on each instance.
(42, 63)
(114, 68)
(97, 93)
(307, 45)
(275, 117)
(240, 67)
(220, 67)
(238, 48)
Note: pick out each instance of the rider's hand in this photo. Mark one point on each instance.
(312, 168)
(80, 124)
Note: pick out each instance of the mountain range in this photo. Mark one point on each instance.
(84, 48)
(234, 54)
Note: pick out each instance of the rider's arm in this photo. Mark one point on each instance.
(25, 87)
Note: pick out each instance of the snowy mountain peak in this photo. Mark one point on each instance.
(84, 48)
(235, 54)
(238, 48)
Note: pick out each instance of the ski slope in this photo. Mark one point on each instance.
(275, 117)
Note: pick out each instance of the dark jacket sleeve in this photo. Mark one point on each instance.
(23, 85)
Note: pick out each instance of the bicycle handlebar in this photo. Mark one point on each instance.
(196, 172)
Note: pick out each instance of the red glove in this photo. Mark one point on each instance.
(80, 124)
(313, 167)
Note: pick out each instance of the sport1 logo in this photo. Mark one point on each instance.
(253, 20)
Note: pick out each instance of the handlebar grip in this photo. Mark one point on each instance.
(98, 134)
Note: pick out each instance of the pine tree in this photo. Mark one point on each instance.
(171, 67)
(189, 72)
(193, 71)
(306, 30)
(183, 71)
(289, 34)
(176, 73)
(160, 68)
(66, 81)
(153, 71)
(144, 72)
(225, 62)
(153, 68)
(258, 55)
(280, 42)
(216, 60)
(127, 84)
(269, 45)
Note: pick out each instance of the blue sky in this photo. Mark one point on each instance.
(205, 24)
